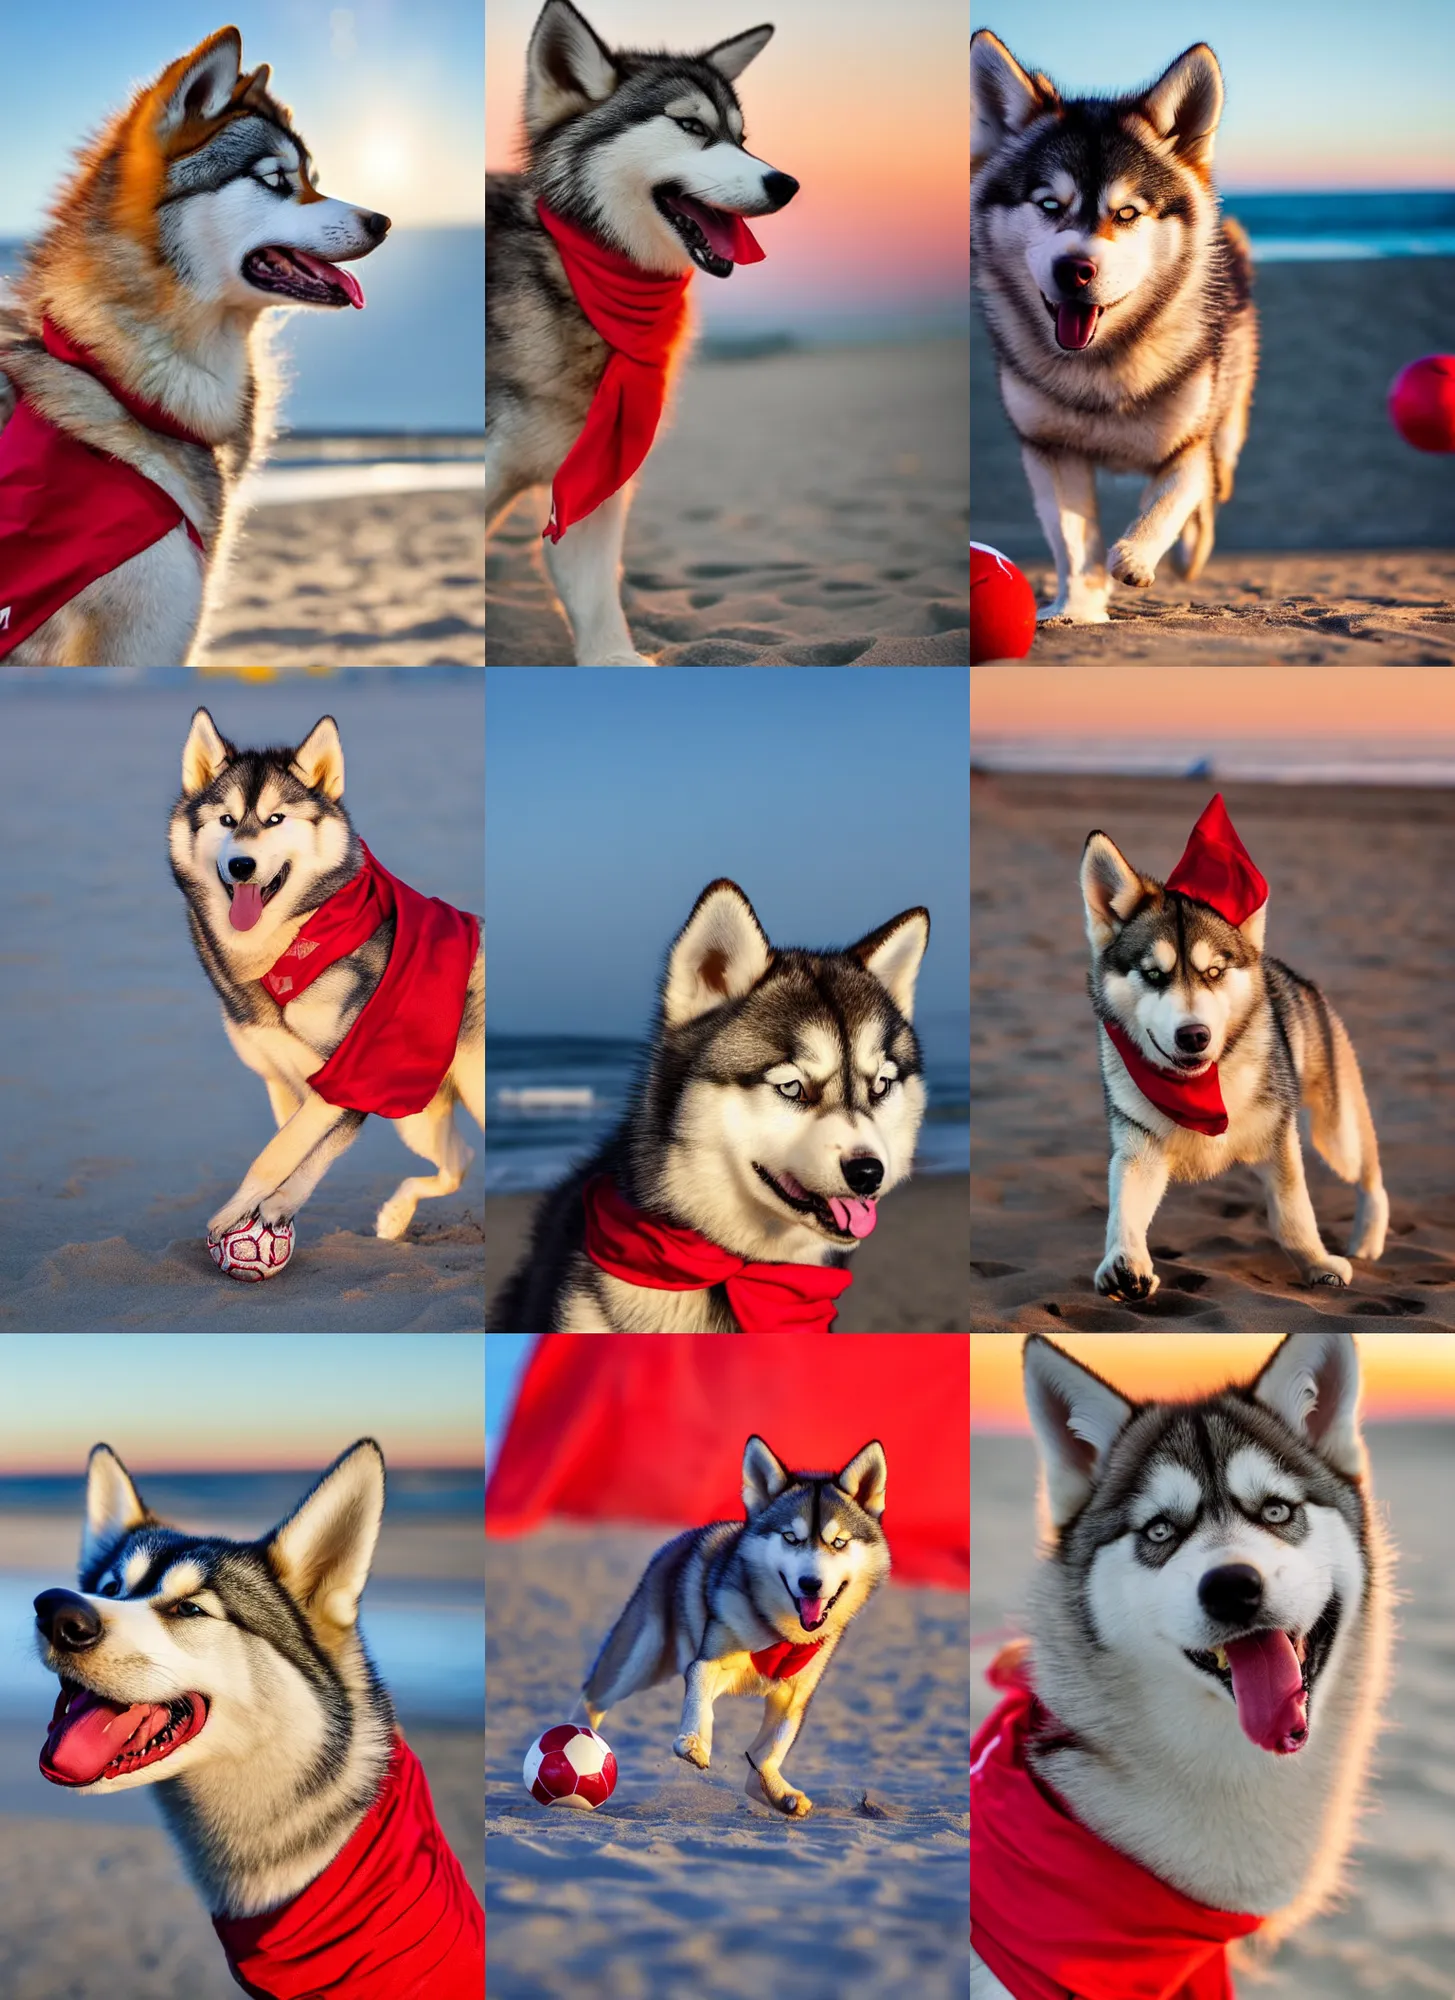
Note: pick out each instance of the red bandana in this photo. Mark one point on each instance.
(1054, 1910)
(785, 1659)
(1195, 1102)
(640, 316)
(765, 1298)
(394, 1058)
(390, 1918)
(68, 513)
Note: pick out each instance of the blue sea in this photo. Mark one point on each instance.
(530, 1145)
(1330, 228)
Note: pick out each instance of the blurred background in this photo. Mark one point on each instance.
(1392, 1932)
(222, 1434)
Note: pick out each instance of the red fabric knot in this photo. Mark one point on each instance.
(1217, 869)
(643, 1250)
(780, 1662)
(390, 1918)
(395, 1056)
(1054, 1909)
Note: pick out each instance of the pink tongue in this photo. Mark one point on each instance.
(810, 1610)
(855, 1215)
(247, 905)
(1075, 325)
(93, 1733)
(335, 272)
(727, 233)
(1268, 1688)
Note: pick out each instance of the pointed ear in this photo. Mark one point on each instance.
(1075, 1417)
(1185, 104)
(201, 85)
(1312, 1382)
(321, 1553)
(254, 88)
(720, 954)
(863, 1478)
(1004, 98)
(568, 67)
(319, 759)
(1110, 889)
(732, 57)
(205, 755)
(1254, 927)
(113, 1506)
(893, 954)
(764, 1476)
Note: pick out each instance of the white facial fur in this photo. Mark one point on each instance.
(215, 231)
(625, 171)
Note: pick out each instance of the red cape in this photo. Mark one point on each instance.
(1055, 1910)
(390, 1918)
(635, 1427)
(395, 1056)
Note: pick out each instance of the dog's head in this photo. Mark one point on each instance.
(813, 1540)
(1088, 204)
(176, 1651)
(646, 151)
(1179, 979)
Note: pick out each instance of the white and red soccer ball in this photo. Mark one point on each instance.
(254, 1250)
(570, 1766)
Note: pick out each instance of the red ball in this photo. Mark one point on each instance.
(1002, 608)
(1422, 403)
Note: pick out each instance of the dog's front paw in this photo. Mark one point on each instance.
(231, 1216)
(276, 1209)
(793, 1805)
(1083, 611)
(1125, 1277)
(1337, 1271)
(692, 1750)
(1129, 565)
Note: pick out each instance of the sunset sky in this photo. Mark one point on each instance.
(867, 106)
(1405, 1374)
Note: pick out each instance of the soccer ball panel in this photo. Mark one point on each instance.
(570, 1766)
(253, 1251)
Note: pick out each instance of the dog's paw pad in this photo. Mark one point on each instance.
(1116, 1279)
(692, 1750)
(1129, 567)
(794, 1805)
(1339, 1273)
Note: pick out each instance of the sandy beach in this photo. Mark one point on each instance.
(126, 1116)
(1323, 478)
(1359, 881)
(803, 509)
(680, 1885)
(910, 1276)
(1394, 1931)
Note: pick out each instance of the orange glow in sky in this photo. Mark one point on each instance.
(1405, 1374)
(1247, 702)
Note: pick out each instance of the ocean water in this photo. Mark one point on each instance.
(1314, 761)
(552, 1099)
(1329, 228)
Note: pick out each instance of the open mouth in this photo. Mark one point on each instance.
(1076, 322)
(299, 275)
(716, 239)
(1270, 1676)
(247, 899)
(812, 1611)
(848, 1218)
(90, 1738)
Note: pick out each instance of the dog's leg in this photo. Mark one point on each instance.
(694, 1741)
(1182, 486)
(289, 1167)
(433, 1134)
(1063, 488)
(1291, 1212)
(585, 567)
(783, 1714)
(1136, 1183)
(283, 1098)
(1342, 1129)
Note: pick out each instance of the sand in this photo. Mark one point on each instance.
(1360, 888)
(126, 1118)
(910, 1276)
(680, 1886)
(1394, 1933)
(1324, 475)
(803, 509)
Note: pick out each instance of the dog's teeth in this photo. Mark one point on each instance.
(1220, 1655)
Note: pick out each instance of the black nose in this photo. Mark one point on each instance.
(1231, 1593)
(1073, 274)
(1192, 1039)
(242, 868)
(377, 226)
(810, 1586)
(780, 188)
(67, 1621)
(863, 1173)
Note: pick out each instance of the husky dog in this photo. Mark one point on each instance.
(233, 1677)
(1119, 304)
(645, 152)
(1209, 1625)
(781, 1099)
(1191, 990)
(191, 214)
(753, 1607)
(271, 825)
